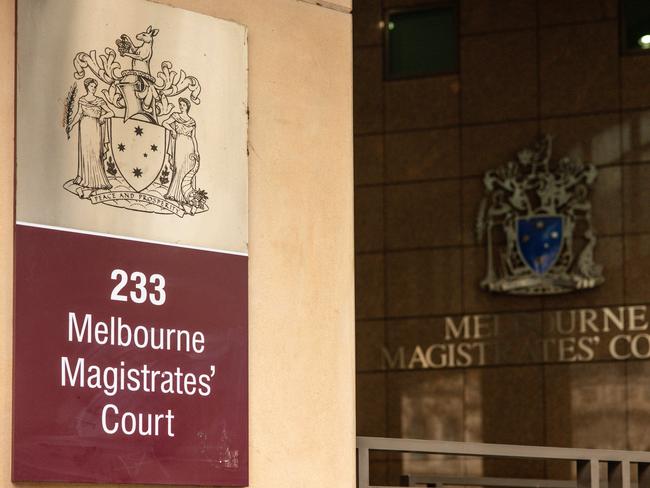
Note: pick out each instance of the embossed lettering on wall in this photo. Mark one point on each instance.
(560, 336)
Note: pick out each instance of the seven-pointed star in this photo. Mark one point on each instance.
(121, 147)
(137, 172)
(154, 148)
(138, 131)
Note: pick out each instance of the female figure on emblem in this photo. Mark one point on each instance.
(91, 115)
(183, 150)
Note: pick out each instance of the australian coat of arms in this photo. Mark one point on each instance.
(137, 144)
(536, 220)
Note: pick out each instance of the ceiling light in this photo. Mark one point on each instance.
(644, 41)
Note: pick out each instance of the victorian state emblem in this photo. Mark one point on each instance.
(136, 135)
(535, 220)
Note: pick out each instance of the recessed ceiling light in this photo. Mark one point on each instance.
(644, 41)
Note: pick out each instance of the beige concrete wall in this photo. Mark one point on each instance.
(301, 239)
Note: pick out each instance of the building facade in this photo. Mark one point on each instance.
(438, 356)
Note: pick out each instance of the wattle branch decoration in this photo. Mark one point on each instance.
(69, 109)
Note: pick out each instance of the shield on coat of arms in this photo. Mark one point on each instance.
(539, 241)
(139, 150)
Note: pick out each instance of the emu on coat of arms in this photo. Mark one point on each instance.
(536, 220)
(137, 145)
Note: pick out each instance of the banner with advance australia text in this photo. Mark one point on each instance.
(131, 262)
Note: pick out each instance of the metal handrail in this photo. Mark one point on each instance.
(587, 461)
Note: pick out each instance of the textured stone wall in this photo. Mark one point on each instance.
(301, 238)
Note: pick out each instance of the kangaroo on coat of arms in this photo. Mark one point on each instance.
(536, 220)
(137, 145)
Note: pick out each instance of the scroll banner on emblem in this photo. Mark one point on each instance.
(131, 283)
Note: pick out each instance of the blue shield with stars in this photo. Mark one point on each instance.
(539, 240)
(139, 150)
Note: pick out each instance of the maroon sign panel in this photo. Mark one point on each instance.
(131, 242)
(130, 361)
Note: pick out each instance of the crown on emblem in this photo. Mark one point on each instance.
(535, 219)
